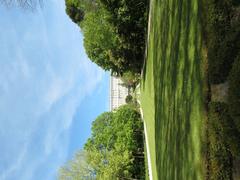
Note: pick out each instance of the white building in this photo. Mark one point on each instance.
(118, 93)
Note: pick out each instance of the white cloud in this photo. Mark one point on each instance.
(44, 77)
(16, 164)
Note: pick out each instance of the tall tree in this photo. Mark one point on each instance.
(76, 9)
(129, 18)
(115, 143)
(99, 40)
(77, 168)
(114, 32)
(115, 148)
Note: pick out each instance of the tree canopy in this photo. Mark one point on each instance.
(114, 32)
(77, 168)
(114, 150)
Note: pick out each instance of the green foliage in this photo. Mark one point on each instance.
(221, 40)
(129, 99)
(129, 19)
(224, 127)
(114, 32)
(77, 168)
(220, 165)
(74, 10)
(130, 79)
(132, 102)
(220, 127)
(234, 92)
(236, 2)
(223, 34)
(100, 41)
(219, 23)
(115, 149)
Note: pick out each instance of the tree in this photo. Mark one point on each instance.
(116, 145)
(129, 99)
(73, 10)
(130, 79)
(129, 18)
(114, 32)
(76, 9)
(77, 168)
(114, 150)
(24, 4)
(100, 41)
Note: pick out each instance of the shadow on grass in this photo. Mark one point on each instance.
(177, 83)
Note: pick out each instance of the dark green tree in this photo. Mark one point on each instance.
(116, 146)
(129, 19)
(74, 11)
(100, 41)
(114, 32)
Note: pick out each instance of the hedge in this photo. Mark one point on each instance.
(223, 125)
(234, 92)
(222, 40)
(220, 157)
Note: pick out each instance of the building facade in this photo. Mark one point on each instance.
(118, 93)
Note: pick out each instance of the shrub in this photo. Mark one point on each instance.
(129, 99)
(220, 60)
(130, 79)
(234, 92)
(220, 161)
(236, 2)
(223, 126)
(222, 40)
(220, 158)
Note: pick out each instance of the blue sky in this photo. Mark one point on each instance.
(49, 92)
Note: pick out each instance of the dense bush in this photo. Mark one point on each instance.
(115, 149)
(221, 56)
(129, 19)
(234, 92)
(129, 99)
(220, 158)
(222, 40)
(236, 2)
(130, 79)
(224, 127)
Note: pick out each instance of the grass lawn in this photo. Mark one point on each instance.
(171, 90)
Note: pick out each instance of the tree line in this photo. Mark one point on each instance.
(114, 38)
(114, 32)
(115, 149)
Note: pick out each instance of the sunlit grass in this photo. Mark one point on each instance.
(171, 90)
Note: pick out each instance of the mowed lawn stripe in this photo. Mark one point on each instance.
(171, 90)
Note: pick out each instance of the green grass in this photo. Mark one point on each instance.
(146, 162)
(171, 90)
